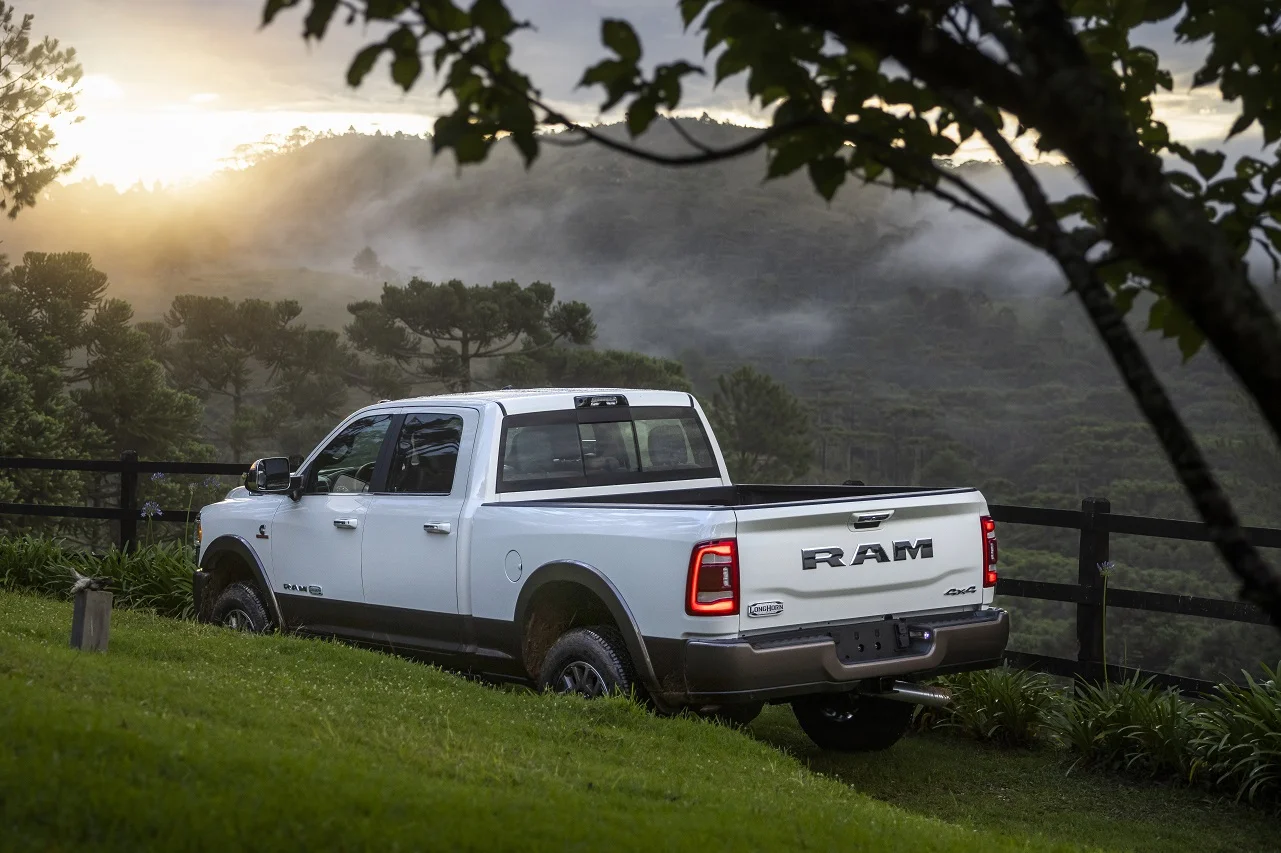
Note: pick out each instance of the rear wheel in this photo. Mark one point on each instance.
(241, 608)
(847, 722)
(588, 661)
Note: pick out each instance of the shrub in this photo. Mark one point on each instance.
(155, 576)
(1006, 706)
(1128, 725)
(1238, 739)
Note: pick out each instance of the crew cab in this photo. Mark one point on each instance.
(591, 540)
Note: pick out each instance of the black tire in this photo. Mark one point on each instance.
(846, 722)
(240, 608)
(588, 661)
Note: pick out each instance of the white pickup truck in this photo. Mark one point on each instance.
(590, 541)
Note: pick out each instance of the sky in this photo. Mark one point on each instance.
(172, 87)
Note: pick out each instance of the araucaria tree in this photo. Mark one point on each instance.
(37, 84)
(764, 431)
(881, 89)
(436, 332)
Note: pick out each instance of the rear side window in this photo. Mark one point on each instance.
(426, 455)
(553, 450)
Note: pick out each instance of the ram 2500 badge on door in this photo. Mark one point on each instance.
(591, 541)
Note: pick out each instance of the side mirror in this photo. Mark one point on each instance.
(269, 476)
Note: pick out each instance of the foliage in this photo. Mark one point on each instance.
(1006, 706)
(1229, 742)
(763, 430)
(1129, 725)
(1237, 742)
(154, 577)
(281, 378)
(37, 84)
(435, 332)
(31, 429)
(221, 735)
(85, 385)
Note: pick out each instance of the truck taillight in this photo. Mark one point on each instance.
(712, 587)
(989, 550)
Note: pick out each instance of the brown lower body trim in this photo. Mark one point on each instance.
(756, 669)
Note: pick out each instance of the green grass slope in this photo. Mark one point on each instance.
(190, 737)
(185, 736)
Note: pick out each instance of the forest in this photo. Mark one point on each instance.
(242, 316)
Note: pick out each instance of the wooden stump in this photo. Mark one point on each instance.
(91, 620)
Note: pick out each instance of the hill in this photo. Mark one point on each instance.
(191, 737)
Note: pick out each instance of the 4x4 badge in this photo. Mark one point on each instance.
(969, 590)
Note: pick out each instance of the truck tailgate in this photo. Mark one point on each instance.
(827, 561)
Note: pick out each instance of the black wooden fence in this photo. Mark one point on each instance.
(126, 511)
(1094, 520)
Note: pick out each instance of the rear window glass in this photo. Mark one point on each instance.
(552, 450)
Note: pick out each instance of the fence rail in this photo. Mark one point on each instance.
(1094, 520)
(126, 510)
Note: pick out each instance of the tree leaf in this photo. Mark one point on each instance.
(1208, 163)
(789, 157)
(405, 69)
(493, 17)
(618, 36)
(363, 63)
(274, 8)
(641, 113)
(691, 9)
(827, 175)
(317, 20)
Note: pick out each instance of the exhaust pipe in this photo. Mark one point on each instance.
(905, 691)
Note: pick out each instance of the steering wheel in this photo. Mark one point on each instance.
(365, 473)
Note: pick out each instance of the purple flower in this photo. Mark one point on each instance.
(151, 509)
(157, 476)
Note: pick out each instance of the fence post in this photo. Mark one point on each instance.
(128, 500)
(1090, 619)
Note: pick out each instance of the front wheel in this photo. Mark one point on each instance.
(588, 661)
(847, 722)
(240, 608)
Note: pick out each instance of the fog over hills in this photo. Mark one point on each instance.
(662, 254)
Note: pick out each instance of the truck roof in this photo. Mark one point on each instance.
(518, 401)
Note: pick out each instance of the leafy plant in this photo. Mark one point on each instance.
(154, 576)
(1005, 706)
(1128, 725)
(1238, 739)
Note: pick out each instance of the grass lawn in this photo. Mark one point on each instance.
(190, 737)
(1032, 793)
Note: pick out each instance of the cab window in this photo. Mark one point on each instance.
(346, 465)
(426, 455)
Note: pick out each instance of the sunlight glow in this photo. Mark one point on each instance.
(182, 143)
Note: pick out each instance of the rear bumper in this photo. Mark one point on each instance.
(780, 666)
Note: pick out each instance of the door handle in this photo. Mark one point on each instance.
(868, 520)
(441, 527)
(346, 523)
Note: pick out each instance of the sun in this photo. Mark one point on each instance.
(122, 142)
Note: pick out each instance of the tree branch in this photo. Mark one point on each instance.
(1258, 583)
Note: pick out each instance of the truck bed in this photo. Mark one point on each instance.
(752, 495)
